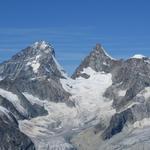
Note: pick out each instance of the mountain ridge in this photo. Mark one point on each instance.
(103, 97)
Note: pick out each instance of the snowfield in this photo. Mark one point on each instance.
(138, 56)
(88, 95)
(62, 120)
(78, 112)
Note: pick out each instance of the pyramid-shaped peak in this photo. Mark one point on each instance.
(99, 49)
(98, 60)
(41, 45)
(36, 60)
(40, 49)
(98, 46)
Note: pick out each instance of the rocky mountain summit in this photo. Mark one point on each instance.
(129, 91)
(33, 71)
(98, 60)
(33, 67)
(104, 105)
(10, 135)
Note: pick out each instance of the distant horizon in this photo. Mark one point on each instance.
(74, 27)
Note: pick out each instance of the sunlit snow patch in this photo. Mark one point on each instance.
(142, 123)
(34, 64)
(90, 108)
(138, 56)
(145, 93)
(1, 78)
(13, 99)
(107, 54)
(122, 92)
(88, 95)
(4, 111)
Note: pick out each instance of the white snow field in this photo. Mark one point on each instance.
(48, 132)
(138, 56)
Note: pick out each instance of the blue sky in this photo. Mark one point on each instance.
(75, 26)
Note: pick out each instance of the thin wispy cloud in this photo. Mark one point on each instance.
(70, 56)
(71, 44)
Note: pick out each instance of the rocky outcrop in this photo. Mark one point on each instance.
(99, 61)
(39, 90)
(10, 135)
(36, 71)
(129, 78)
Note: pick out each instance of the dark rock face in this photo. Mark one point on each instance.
(19, 65)
(10, 107)
(11, 137)
(132, 76)
(36, 69)
(136, 113)
(98, 60)
(117, 123)
(32, 110)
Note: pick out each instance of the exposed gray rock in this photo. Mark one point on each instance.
(135, 113)
(117, 123)
(133, 75)
(10, 135)
(98, 60)
(35, 70)
(33, 110)
(10, 107)
(130, 76)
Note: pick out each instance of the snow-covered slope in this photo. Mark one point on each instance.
(138, 56)
(62, 120)
(14, 100)
(88, 95)
(33, 72)
(105, 105)
(130, 94)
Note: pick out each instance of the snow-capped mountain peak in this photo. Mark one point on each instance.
(42, 47)
(103, 98)
(35, 61)
(42, 44)
(98, 60)
(138, 56)
(35, 66)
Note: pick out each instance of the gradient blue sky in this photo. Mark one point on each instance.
(75, 26)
